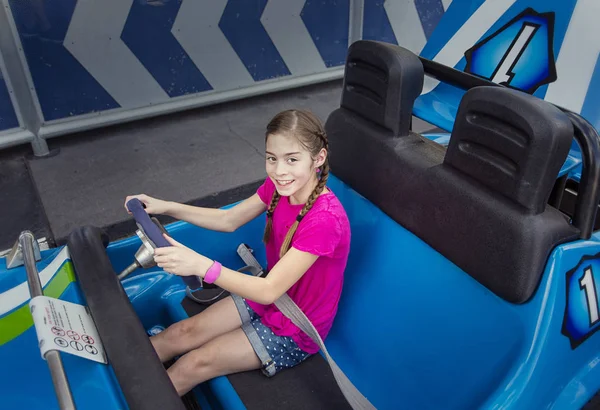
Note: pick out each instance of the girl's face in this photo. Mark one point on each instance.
(291, 168)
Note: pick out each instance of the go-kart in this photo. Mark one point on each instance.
(466, 287)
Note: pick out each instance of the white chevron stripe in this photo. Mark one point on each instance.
(94, 39)
(577, 58)
(282, 21)
(466, 36)
(406, 24)
(446, 4)
(197, 30)
(18, 295)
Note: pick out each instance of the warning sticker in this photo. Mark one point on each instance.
(67, 327)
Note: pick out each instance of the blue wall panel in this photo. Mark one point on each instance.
(253, 45)
(328, 23)
(63, 86)
(430, 13)
(64, 82)
(376, 24)
(148, 34)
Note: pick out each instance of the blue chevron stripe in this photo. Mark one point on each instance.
(252, 44)
(147, 33)
(63, 86)
(454, 18)
(430, 12)
(327, 21)
(8, 117)
(376, 24)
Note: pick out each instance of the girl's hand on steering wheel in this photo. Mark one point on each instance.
(153, 205)
(180, 260)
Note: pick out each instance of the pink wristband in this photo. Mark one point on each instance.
(213, 273)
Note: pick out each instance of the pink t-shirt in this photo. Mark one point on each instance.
(324, 231)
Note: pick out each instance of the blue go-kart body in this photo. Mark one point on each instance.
(421, 323)
(412, 331)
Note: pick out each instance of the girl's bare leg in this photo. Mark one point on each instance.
(228, 353)
(181, 337)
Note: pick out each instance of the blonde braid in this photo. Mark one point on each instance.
(269, 225)
(285, 246)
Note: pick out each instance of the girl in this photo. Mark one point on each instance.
(307, 238)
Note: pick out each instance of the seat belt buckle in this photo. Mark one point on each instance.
(269, 367)
(246, 253)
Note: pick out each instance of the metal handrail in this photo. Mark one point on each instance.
(585, 134)
(27, 244)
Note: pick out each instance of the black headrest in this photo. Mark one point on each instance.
(511, 142)
(381, 83)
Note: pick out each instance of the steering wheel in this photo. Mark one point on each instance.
(153, 233)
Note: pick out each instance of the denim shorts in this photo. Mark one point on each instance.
(276, 353)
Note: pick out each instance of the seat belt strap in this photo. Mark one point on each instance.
(287, 306)
(355, 398)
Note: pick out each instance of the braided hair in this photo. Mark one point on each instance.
(270, 210)
(309, 130)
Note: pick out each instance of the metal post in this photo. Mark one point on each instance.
(357, 12)
(19, 78)
(57, 371)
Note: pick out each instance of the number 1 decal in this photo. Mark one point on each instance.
(587, 284)
(582, 313)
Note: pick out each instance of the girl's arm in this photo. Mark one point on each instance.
(268, 289)
(180, 260)
(223, 220)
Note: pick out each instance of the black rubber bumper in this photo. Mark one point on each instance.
(140, 373)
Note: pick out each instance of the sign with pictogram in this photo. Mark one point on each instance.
(67, 327)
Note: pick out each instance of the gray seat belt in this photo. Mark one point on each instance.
(287, 306)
